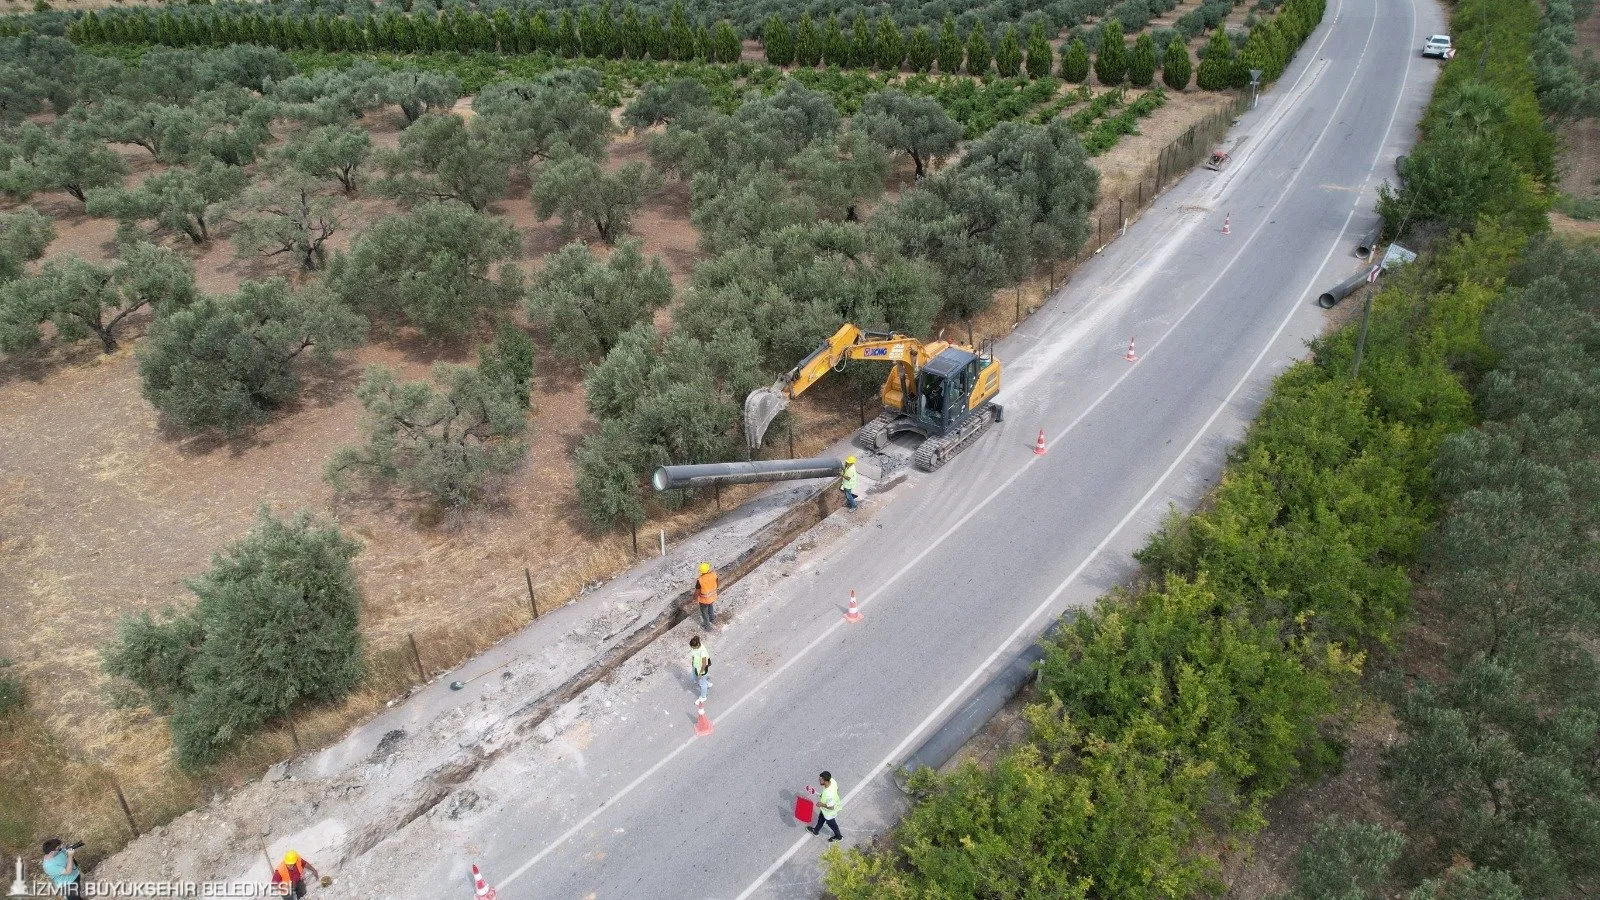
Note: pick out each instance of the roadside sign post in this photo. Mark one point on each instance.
(1255, 87)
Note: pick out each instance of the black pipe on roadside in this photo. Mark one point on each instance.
(1342, 290)
(669, 478)
(1369, 242)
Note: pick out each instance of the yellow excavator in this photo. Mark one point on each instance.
(940, 391)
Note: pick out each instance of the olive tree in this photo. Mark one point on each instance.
(917, 126)
(290, 215)
(418, 93)
(24, 235)
(440, 268)
(578, 190)
(190, 200)
(451, 441)
(586, 303)
(276, 622)
(546, 118)
(334, 152)
(82, 299)
(37, 159)
(226, 363)
(441, 157)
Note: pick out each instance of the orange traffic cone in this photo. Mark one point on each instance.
(702, 725)
(1225, 218)
(1038, 446)
(853, 614)
(1130, 356)
(479, 889)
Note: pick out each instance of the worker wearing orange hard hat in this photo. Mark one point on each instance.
(705, 594)
(291, 874)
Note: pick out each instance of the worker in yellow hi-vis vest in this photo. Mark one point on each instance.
(847, 482)
(828, 807)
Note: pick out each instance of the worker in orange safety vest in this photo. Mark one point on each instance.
(291, 874)
(705, 594)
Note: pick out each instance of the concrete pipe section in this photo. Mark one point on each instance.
(668, 478)
(1369, 242)
(1343, 289)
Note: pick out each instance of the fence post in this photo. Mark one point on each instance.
(633, 532)
(663, 542)
(416, 657)
(532, 603)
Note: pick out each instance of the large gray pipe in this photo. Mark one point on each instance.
(1369, 242)
(712, 474)
(1343, 289)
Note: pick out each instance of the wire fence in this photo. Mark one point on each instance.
(1174, 161)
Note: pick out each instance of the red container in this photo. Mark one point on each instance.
(805, 809)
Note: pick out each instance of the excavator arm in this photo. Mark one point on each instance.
(849, 342)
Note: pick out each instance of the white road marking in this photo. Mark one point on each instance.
(965, 685)
(1027, 462)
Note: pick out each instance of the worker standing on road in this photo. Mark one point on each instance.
(291, 873)
(847, 482)
(828, 807)
(705, 594)
(700, 665)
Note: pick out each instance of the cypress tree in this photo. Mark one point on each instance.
(919, 50)
(1111, 61)
(1008, 57)
(1041, 59)
(1175, 64)
(1142, 61)
(655, 38)
(1075, 62)
(631, 32)
(979, 54)
(863, 48)
(835, 46)
(891, 45)
(702, 43)
(949, 51)
(807, 42)
(778, 42)
(725, 43)
(680, 34)
(505, 30)
(1216, 63)
(610, 33)
(588, 34)
(567, 35)
(543, 35)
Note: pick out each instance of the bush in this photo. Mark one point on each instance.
(1345, 860)
(276, 623)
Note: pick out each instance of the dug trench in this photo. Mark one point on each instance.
(524, 722)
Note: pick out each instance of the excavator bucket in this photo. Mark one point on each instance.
(760, 408)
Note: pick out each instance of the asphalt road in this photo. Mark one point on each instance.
(958, 569)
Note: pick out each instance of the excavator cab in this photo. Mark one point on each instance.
(941, 392)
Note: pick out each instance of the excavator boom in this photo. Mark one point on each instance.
(849, 342)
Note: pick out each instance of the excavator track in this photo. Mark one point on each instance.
(874, 435)
(936, 451)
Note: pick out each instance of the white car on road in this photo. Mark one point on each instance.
(1437, 45)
